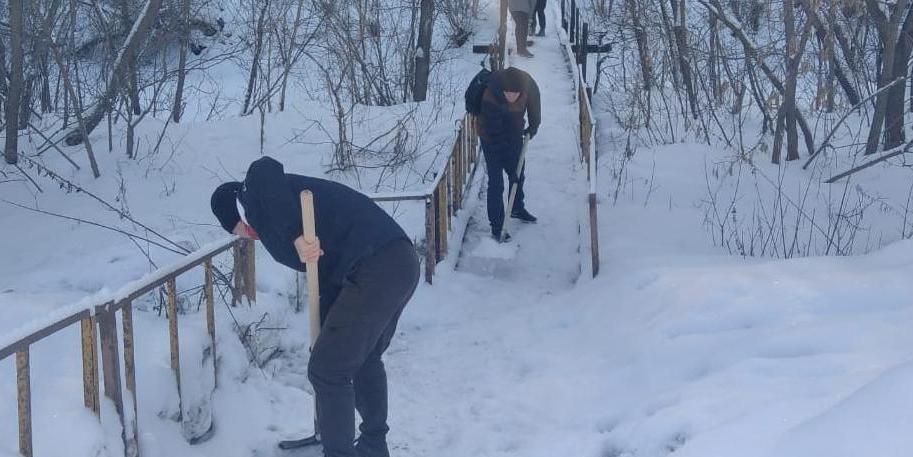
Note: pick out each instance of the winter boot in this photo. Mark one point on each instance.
(496, 234)
(524, 216)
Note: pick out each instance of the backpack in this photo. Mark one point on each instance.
(476, 90)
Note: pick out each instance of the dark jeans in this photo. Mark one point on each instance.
(539, 11)
(345, 368)
(497, 162)
(521, 20)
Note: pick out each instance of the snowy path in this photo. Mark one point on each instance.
(465, 379)
(545, 253)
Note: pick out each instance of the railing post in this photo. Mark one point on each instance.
(245, 282)
(24, 395)
(583, 57)
(110, 363)
(130, 371)
(237, 275)
(430, 239)
(173, 339)
(594, 235)
(502, 35)
(250, 271)
(573, 30)
(210, 317)
(90, 365)
(563, 15)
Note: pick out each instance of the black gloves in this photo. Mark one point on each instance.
(531, 131)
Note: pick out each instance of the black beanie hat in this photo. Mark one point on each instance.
(512, 80)
(224, 205)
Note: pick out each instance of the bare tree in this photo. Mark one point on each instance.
(11, 152)
(423, 50)
(104, 103)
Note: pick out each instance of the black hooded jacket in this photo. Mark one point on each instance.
(350, 225)
(502, 123)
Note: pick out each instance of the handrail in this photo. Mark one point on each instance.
(98, 321)
(445, 195)
(574, 33)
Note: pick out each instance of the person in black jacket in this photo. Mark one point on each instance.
(511, 96)
(368, 270)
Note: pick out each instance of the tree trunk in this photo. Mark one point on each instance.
(887, 33)
(894, 114)
(255, 64)
(104, 103)
(292, 50)
(423, 51)
(176, 111)
(11, 149)
(129, 70)
(793, 56)
(684, 53)
(714, 60)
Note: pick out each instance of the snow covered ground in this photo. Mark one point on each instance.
(677, 348)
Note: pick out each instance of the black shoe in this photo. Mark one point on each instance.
(369, 448)
(541, 33)
(496, 234)
(524, 216)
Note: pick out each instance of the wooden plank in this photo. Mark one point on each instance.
(25, 342)
(208, 291)
(24, 396)
(250, 271)
(483, 48)
(90, 365)
(594, 235)
(110, 360)
(173, 338)
(442, 219)
(430, 239)
(110, 363)
(132, 449)
(237, 279)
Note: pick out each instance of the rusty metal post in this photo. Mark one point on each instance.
(211, 317)
(90, 365)
(430, 239)
(173, 338)
(132, 449)
(24, 394)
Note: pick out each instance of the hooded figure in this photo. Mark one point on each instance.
(368, 270)
(511, 97)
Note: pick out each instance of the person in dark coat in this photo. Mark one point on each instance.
(511, 96)
(368, 270)
(539, 11)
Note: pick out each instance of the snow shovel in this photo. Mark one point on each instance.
(512, 196)
(310, 234)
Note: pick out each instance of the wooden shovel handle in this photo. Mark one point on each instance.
(310, 235)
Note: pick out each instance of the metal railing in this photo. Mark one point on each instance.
(445, 196)
(576, 49)
(98, 326)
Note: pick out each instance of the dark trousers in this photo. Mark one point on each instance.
(345, 368)
(498, 161)
(539, 11)
(521, 20)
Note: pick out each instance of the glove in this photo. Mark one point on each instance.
(531, 131)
